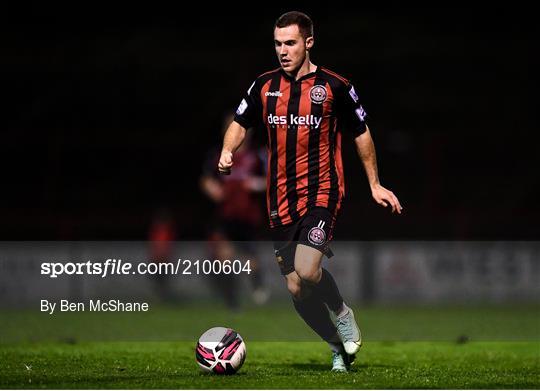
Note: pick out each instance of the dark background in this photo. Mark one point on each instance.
(109, 114)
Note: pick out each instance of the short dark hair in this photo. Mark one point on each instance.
(304, 22)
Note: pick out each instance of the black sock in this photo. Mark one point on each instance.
(329, 292)
(315, 313)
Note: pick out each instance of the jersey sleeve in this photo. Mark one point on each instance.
(249, 110)
(351, 112)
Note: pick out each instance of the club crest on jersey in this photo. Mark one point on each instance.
(318, 94)
(316, 235)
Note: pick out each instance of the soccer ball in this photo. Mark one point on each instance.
(220, 350)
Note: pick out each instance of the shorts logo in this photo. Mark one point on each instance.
(318, 94)
(316, 234)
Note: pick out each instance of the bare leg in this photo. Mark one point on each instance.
(307, 302)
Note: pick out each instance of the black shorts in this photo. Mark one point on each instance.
(314, 229)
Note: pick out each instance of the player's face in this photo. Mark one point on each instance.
(291, 47)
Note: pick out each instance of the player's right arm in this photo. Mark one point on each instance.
(247, 114)
(234, 136)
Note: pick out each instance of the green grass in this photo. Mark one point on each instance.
(405, 347)
(128, 365)
(274, 323)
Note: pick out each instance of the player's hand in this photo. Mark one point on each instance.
(225, 162)
(385, 197)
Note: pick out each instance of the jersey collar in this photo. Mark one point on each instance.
(306, 76)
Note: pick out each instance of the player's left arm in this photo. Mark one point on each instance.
(366, 151)
(354, 118)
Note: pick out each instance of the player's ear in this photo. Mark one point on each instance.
(309, 43)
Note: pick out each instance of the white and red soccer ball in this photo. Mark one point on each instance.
(220, 350)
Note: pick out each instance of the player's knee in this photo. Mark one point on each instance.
(310, 276)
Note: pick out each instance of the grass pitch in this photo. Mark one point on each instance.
(465, 349)
(162, 365)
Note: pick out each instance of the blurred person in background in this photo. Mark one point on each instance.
(305, 109)
(161, 237)
(238, 218)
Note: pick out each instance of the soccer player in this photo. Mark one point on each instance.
(238, 219)
(306, 108)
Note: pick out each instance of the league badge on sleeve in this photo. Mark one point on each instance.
(360, 112)
(353, 94)
(242, 107)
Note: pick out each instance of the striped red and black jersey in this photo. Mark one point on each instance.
(305, 119)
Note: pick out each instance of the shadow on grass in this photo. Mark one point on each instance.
(204, 375)
(310, 367)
